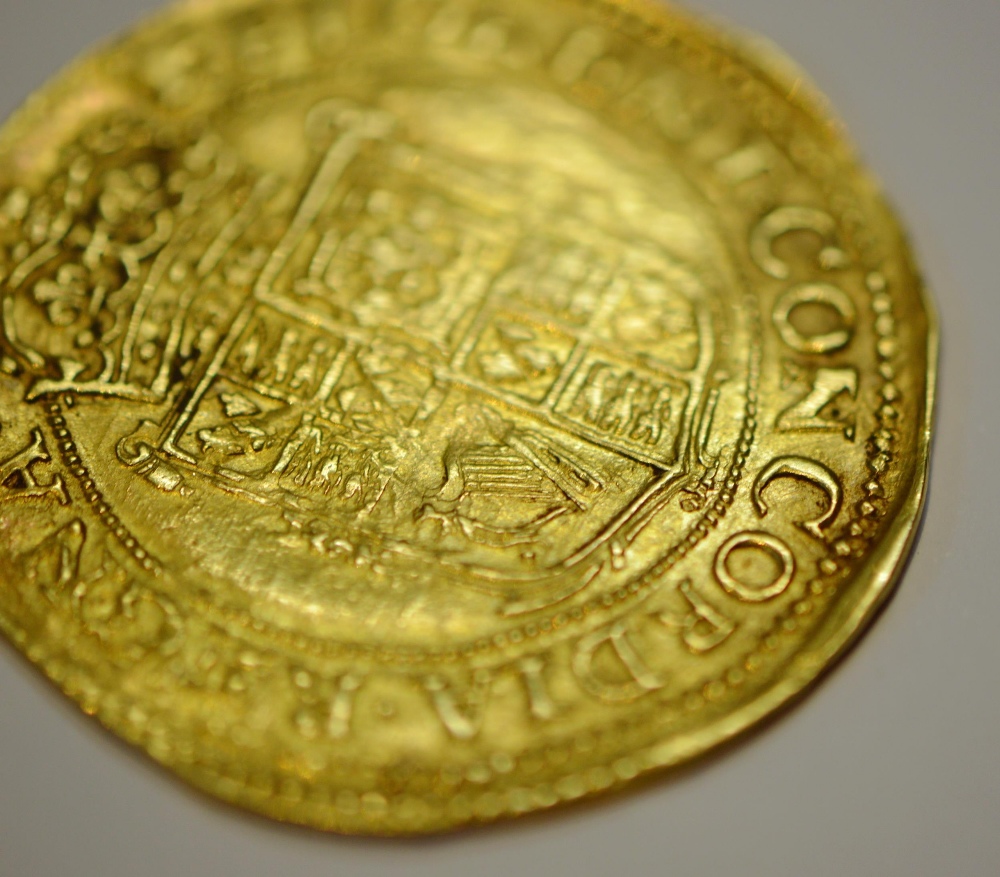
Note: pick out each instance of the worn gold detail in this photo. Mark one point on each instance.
(417, 412)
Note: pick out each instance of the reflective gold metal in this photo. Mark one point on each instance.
(418, 412)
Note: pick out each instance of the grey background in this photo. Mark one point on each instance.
(890, 768)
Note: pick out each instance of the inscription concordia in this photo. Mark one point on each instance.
(481, 428)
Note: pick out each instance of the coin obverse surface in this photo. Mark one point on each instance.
(419, 412)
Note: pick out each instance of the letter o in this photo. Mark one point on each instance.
(815, 294)
(755, 593)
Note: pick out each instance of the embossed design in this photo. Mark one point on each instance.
(17, 478)
(423, 425)
(93, 584)
(54, 564)
(103, 264)
(308, 392)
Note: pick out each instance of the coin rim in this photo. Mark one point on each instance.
(875, 578)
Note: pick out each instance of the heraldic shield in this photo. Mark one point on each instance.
(392, 355)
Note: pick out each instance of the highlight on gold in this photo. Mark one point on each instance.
(418, 412)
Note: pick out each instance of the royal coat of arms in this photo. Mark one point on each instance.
(387, 351)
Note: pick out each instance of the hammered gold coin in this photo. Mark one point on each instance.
(420, 412)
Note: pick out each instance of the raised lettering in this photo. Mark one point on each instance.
(827, 385)
(824, 295)
(785, 220)
(704, 628)
(462, 720)
(747, 163)
(804, 470)
(342, 707)
(539, 700)
(755, 591)
(642, 678)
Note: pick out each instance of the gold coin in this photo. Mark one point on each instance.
(419, 412)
